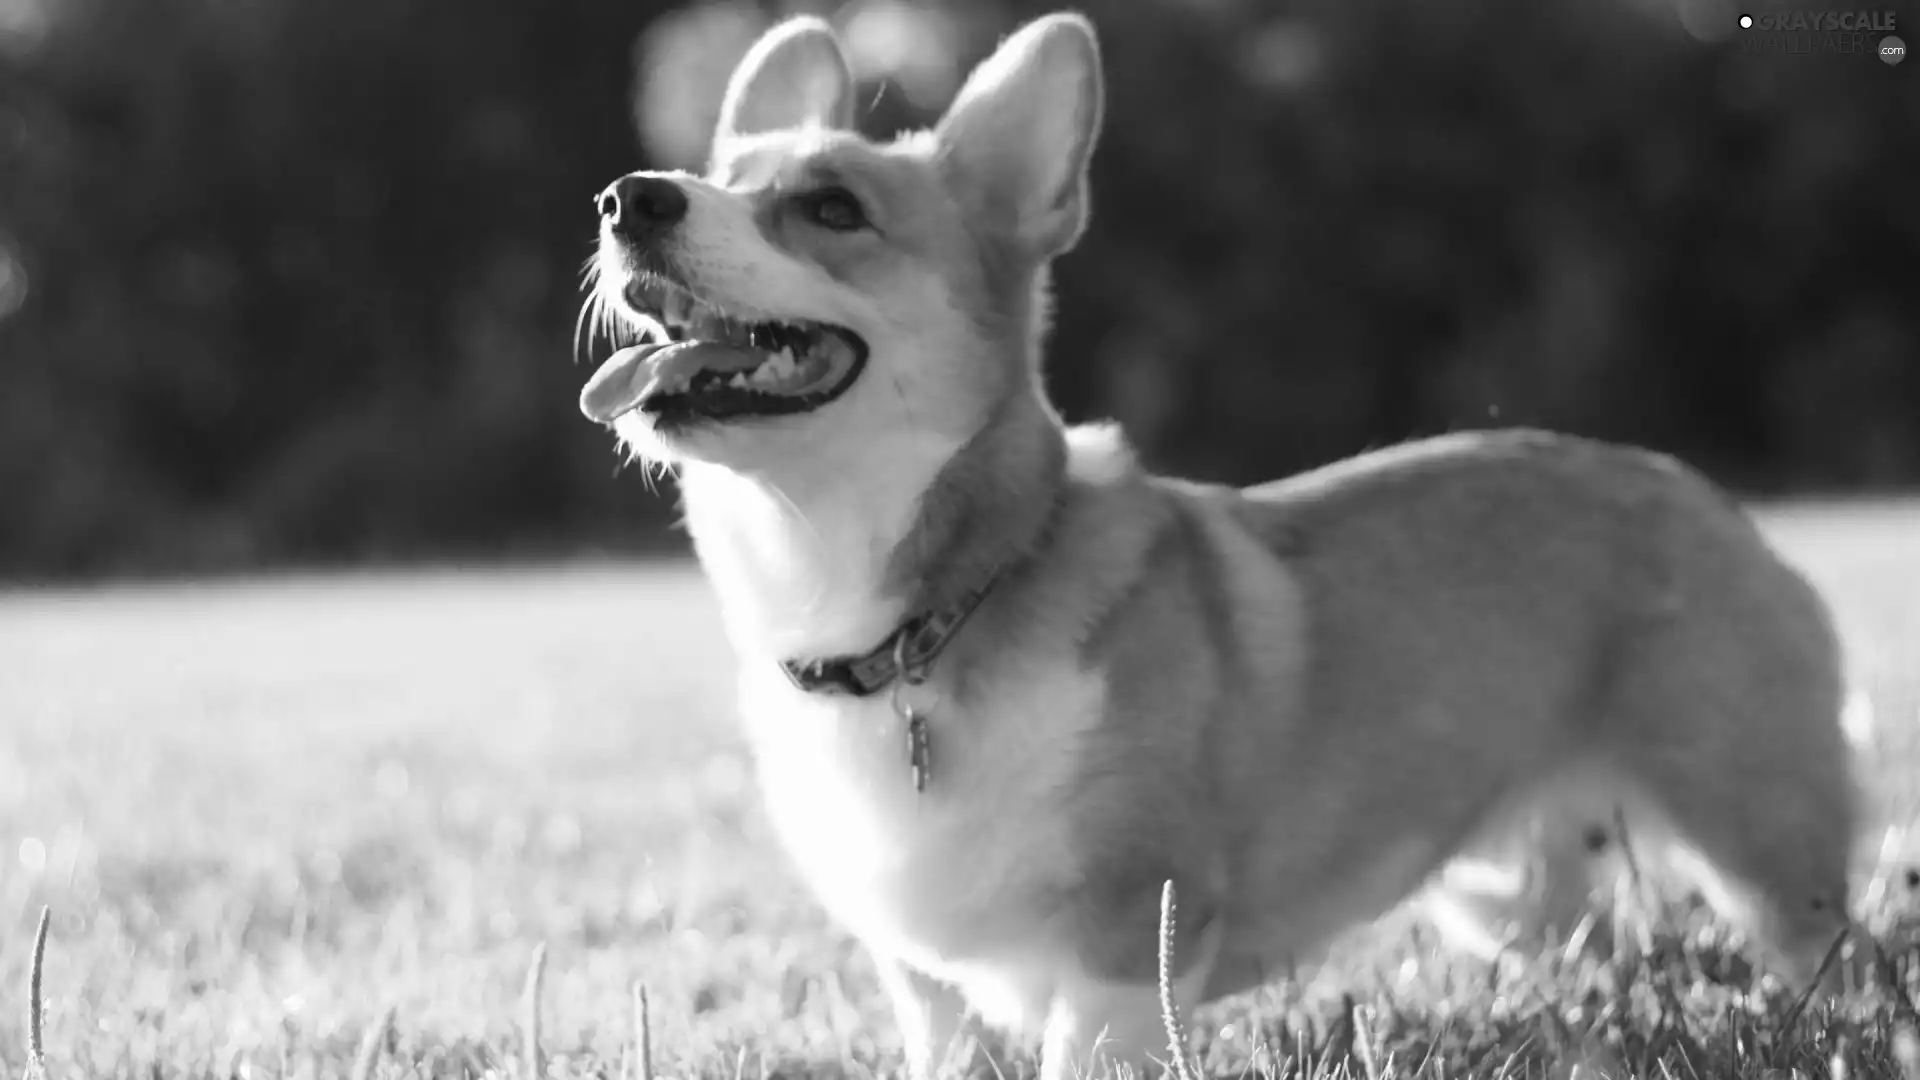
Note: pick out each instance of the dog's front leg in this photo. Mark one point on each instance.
(933, 1020)
(1095, 1026)
(1105, 1012)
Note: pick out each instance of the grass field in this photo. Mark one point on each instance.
(263, 812)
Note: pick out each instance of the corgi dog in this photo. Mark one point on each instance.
(1001, 683)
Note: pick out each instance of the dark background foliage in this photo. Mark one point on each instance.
(294, 281)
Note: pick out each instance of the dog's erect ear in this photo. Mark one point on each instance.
(1021, 131)
(795, 75)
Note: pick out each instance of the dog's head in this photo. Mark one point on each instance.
(818, 300)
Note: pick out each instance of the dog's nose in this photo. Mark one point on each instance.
(638, 205)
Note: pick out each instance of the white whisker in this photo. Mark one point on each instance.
(582, 326)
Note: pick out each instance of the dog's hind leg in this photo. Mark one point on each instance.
(1528, 883)
(1725, 714)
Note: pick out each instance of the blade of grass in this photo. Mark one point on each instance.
(642, 1031)
(36, 1008)
(367, 1058)
(534, 1063)
(1169, 1010)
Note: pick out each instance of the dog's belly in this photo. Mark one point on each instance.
(948, 879)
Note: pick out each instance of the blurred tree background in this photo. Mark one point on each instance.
(293, 281)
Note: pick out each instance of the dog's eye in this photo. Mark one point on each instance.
(836, 209)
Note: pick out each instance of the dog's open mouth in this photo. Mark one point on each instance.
(718, 366)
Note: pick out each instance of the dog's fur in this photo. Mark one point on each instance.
(1298, 701)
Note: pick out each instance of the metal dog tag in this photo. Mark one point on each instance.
(919, 750)
(919, 741)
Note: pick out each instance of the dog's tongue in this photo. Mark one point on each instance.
(635, 373)
(619, 384)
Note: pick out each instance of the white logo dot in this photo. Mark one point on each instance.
(1746, 22)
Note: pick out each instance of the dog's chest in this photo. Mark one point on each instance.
(940, 874)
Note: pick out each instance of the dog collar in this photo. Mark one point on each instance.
(906, 655)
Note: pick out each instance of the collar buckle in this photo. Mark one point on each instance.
(907, 655)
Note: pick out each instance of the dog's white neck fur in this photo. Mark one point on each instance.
(799, 561)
